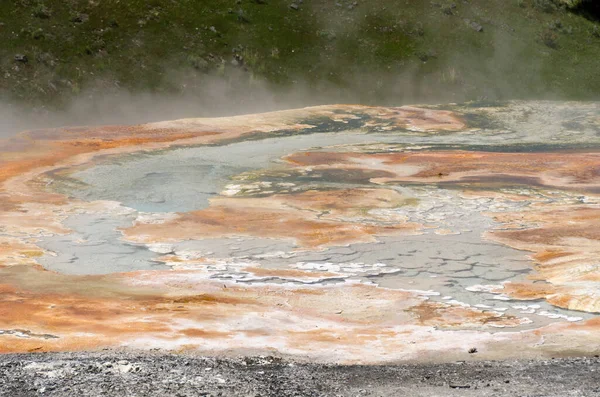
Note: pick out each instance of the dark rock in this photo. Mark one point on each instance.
(242, 17)
(80, 18)
(475, 26)
(21, 58)
(425, 56)
(459, 386)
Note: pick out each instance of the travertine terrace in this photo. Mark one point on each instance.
(345, 234)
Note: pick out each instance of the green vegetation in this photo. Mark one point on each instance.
(367, 51)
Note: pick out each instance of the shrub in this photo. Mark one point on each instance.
(545, 5)
(41, 11)
(199, 63)
(549, 38)
(569, 3)
(555, 25)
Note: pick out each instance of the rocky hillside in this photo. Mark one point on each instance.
(337, 50)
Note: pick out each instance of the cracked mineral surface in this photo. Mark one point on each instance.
(344, 234)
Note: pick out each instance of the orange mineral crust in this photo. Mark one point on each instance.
(344, 202)
(566, 245)
(356, 323)
(15, 252)
(377, 241)
(447, 317)
(28, 208)
(564, 236)
(29, 154)
(565, 170)
(294, 216)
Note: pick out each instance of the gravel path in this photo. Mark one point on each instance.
(158, 374)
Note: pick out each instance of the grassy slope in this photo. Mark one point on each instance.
(378, 51)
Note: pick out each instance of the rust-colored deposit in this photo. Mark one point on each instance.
(446, 317)
(42, 311)
(328, 309)
(564, 237)
(47, 148)
(565, 241)
(283, 216)
(28, 209)
(576, 171)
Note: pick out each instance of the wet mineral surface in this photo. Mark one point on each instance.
(333, 234)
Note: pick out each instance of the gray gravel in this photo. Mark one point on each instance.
(158, 374)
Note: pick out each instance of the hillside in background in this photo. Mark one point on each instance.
(373, 52)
